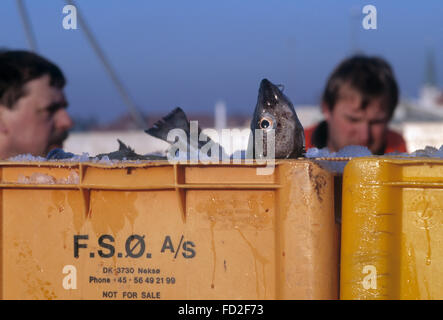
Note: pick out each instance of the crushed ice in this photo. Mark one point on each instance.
(42, 178)
(361, 151)
(27, 157)
(346, 152)
(313, 153)
(428, 152)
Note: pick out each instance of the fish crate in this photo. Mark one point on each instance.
(392, 229)
(155, 230)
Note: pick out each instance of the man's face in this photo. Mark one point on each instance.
(349, 124)
(38, 122)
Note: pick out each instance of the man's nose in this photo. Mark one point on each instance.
(63, 121)
(364, 134)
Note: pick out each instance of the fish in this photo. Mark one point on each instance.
(275, 111)
(125, 152)
(177, 119)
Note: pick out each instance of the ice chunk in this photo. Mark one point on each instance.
(345, 152)
(319, 153)
(439, 153)
(42, 178)
(354, 151)
(84, 157)
(26, 157)
(73, 178)
(336, 166)
(23, 179)
(105, 160)
(339, 164)
(427, 152)
(241, 155)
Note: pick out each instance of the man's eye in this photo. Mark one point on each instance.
(353, 120)
(53, 108)
(378, 122)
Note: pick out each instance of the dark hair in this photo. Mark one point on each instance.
(19, 67)
(370, 76)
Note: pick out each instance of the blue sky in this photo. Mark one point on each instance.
(193, 53)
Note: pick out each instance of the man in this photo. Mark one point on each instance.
(358, 102)
(33, 117)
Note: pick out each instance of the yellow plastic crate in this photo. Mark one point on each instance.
(167, 231)
(392, 229)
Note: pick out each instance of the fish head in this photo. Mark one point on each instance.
(275, 111)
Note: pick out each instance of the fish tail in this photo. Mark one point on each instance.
(176, 119)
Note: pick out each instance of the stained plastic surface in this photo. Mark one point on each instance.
(167, 231)
(392, 229)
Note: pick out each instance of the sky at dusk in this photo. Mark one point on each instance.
(194, 53)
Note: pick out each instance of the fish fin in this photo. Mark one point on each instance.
(176, 119)
(124, 147)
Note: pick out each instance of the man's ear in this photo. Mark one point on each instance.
(325, 110)
(3, 127)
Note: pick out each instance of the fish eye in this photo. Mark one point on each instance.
(265, 123)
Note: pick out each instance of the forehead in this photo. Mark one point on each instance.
(40, 90)
(351, 101)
